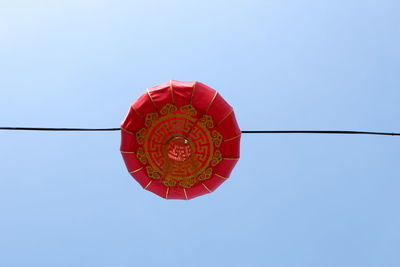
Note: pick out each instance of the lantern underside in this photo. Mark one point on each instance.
(179, 147)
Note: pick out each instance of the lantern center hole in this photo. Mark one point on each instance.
(179, 149)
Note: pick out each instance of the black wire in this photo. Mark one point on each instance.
(245, 132)
(323, 132)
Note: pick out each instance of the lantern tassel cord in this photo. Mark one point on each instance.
(244, 132)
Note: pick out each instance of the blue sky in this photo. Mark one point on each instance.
(66, 199)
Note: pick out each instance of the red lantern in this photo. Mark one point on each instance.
(180, 140)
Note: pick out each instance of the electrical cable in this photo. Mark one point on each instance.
(245, 132)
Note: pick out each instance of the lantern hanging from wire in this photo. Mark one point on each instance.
(180, 140)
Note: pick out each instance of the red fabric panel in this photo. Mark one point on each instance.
(131, 161)
(224, 168)
(144, 105)
(219, 109)
(202, 97)
(214, 182)
(176, 193)
(128, 142)
(229, 127)
(132, 122)
(182, 92)
(160, 86)
(158, 189)
(231, 148)
(161, 94)
(141, 177)
(196, 191)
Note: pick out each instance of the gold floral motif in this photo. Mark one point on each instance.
(207, 121)
(153, 173)
(189, 109)
(205, 175)
(188, 183)
(141, 156)
(140, 135)
(169, 182)
(150, 117)
(217, 158)
(217, 138)
(168, 108)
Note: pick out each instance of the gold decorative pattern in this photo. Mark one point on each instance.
(153, 173)
(169, 182)
(205, 175)
(217, 138)
(141, 156)
(207, 121)
(150, 117)
(189, 109)
(188, 183)
(140, 135)
(217, 158)
(177, 147)
(168, 108)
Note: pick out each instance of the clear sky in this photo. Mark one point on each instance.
(66, 199)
